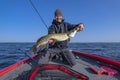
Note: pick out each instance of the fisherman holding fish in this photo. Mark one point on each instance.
(59, 34)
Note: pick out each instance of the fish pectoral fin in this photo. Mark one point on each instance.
(43, 47)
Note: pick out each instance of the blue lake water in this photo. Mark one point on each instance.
(11, 53)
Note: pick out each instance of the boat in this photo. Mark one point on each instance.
(89, 67)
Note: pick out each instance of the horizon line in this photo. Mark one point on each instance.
(71, 42)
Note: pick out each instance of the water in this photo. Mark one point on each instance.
(11, 53)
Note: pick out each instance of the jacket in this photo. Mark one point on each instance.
(62, 27)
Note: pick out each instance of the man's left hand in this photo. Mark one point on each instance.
(80, 27)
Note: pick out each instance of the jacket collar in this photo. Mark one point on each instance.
(56, 22)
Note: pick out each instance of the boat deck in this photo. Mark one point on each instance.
(83, 65)
(54, 75)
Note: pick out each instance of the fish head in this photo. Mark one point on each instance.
(71, 33)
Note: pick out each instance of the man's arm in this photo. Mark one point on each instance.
(79, 27)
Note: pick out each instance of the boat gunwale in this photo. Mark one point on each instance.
(15, 65)
(99, 58)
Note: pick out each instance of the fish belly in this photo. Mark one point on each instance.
(60, 37)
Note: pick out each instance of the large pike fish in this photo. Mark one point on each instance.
(42, 41)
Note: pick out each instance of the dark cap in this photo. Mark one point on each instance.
(58, 12)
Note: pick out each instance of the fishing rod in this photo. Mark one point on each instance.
(28, 55)
(38, 13)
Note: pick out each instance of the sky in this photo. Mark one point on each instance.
(20, 23)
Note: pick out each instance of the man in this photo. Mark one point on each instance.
(59, 26)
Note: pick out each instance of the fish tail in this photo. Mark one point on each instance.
(33, 49)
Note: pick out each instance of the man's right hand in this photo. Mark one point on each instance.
(51, 41)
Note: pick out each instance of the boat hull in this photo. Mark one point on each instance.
(28, 68)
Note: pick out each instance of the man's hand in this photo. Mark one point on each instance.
(51, 41)
(80, 27)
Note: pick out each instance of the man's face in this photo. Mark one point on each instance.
(58, 18)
